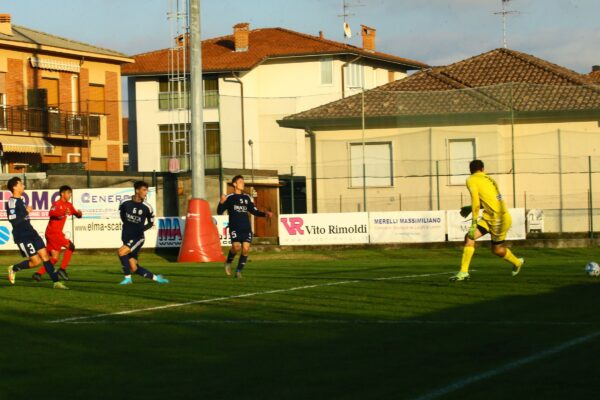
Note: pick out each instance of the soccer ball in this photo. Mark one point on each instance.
(592, 269)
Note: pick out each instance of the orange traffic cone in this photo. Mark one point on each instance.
(201, 241)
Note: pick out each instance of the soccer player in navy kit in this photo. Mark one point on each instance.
(238, 204)
(26, 238)
(137, 216)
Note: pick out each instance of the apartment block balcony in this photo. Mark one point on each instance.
(19, 119)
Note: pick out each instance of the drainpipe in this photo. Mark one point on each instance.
(313, 167)
(238, 80)
(343, 74)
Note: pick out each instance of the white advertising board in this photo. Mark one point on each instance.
(316, 229)
(407, 226)
(459, 226)
(39, 200)
(104, 202)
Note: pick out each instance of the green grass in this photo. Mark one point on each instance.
(365, 339)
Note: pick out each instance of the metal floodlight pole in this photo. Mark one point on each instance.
(364, 164)
(197, 151)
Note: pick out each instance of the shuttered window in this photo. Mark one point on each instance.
(97, 99)
(51, 86)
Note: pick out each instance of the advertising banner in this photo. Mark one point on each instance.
(316, 229)
(104, 202)
(407, 227)
(459, 226)
(6, 238)
(39, 200)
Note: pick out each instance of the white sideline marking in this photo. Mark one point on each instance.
(507, 367)
(238, 296)
(328, 321)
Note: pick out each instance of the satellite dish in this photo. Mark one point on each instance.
(347, 31)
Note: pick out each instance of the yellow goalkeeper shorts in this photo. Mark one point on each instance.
(497, 227)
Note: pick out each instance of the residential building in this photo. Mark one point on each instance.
(252, 78)
(535, 124)
(59, 99)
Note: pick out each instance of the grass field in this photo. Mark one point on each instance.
(354, 324)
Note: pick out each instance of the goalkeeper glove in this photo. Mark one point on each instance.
(465, 211)
(471, 234)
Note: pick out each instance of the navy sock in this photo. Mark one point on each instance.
(20, 266)
(125, 263)
(50, 270)
(242, 262)
(144, 272)
(230, 257)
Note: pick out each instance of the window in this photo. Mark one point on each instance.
(175, 142)
(212, 144)
(460, 153)
(354, 75)
(51, 86)
(75, 93)
(3, 111)
(211, 93)
(378, 164)
(96, 99)
(175, 94)
(326, 71)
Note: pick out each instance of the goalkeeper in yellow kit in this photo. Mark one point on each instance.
(495, 220)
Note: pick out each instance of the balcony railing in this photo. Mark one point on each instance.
(23, 119)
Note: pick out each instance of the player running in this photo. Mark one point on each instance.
(26, 238)
(137, 216)
(55, 237)
(238, 205)
(495, 220)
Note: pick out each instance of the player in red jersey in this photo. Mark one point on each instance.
(55, 237)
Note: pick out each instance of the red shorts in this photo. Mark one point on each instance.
(56, 242)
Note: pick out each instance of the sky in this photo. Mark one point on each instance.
(436, 32)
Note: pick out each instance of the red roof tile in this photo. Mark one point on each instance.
(219, 54)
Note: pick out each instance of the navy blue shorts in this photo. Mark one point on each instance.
(134, 244)
(240, 235)
(30, 246)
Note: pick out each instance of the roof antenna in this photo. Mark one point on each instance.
(505, 13)
(345, 13)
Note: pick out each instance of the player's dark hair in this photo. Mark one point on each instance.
(65, 188)
(236, 178)
(12, 182)
(475, 165)
(140, 184)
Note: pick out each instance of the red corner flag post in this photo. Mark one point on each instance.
(201, 241)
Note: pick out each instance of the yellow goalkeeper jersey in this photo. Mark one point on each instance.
(485, 194)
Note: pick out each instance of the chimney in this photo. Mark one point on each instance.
(182, 40)
(5, 25)
(321, 36)
(368, 37)
(595, 68)
(241, 35)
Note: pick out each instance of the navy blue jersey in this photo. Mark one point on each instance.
(19, 219)
(238, 206)
(137, 218)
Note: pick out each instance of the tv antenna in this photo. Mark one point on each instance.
(505, 13)
(345, 14)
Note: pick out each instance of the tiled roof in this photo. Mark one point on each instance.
(595, 75)
(30, 36)
(489, 82)
(219, 54)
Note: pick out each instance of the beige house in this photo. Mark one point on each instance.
(535, 125)
(60, 102)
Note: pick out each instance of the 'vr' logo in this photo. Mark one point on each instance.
(293, 225)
